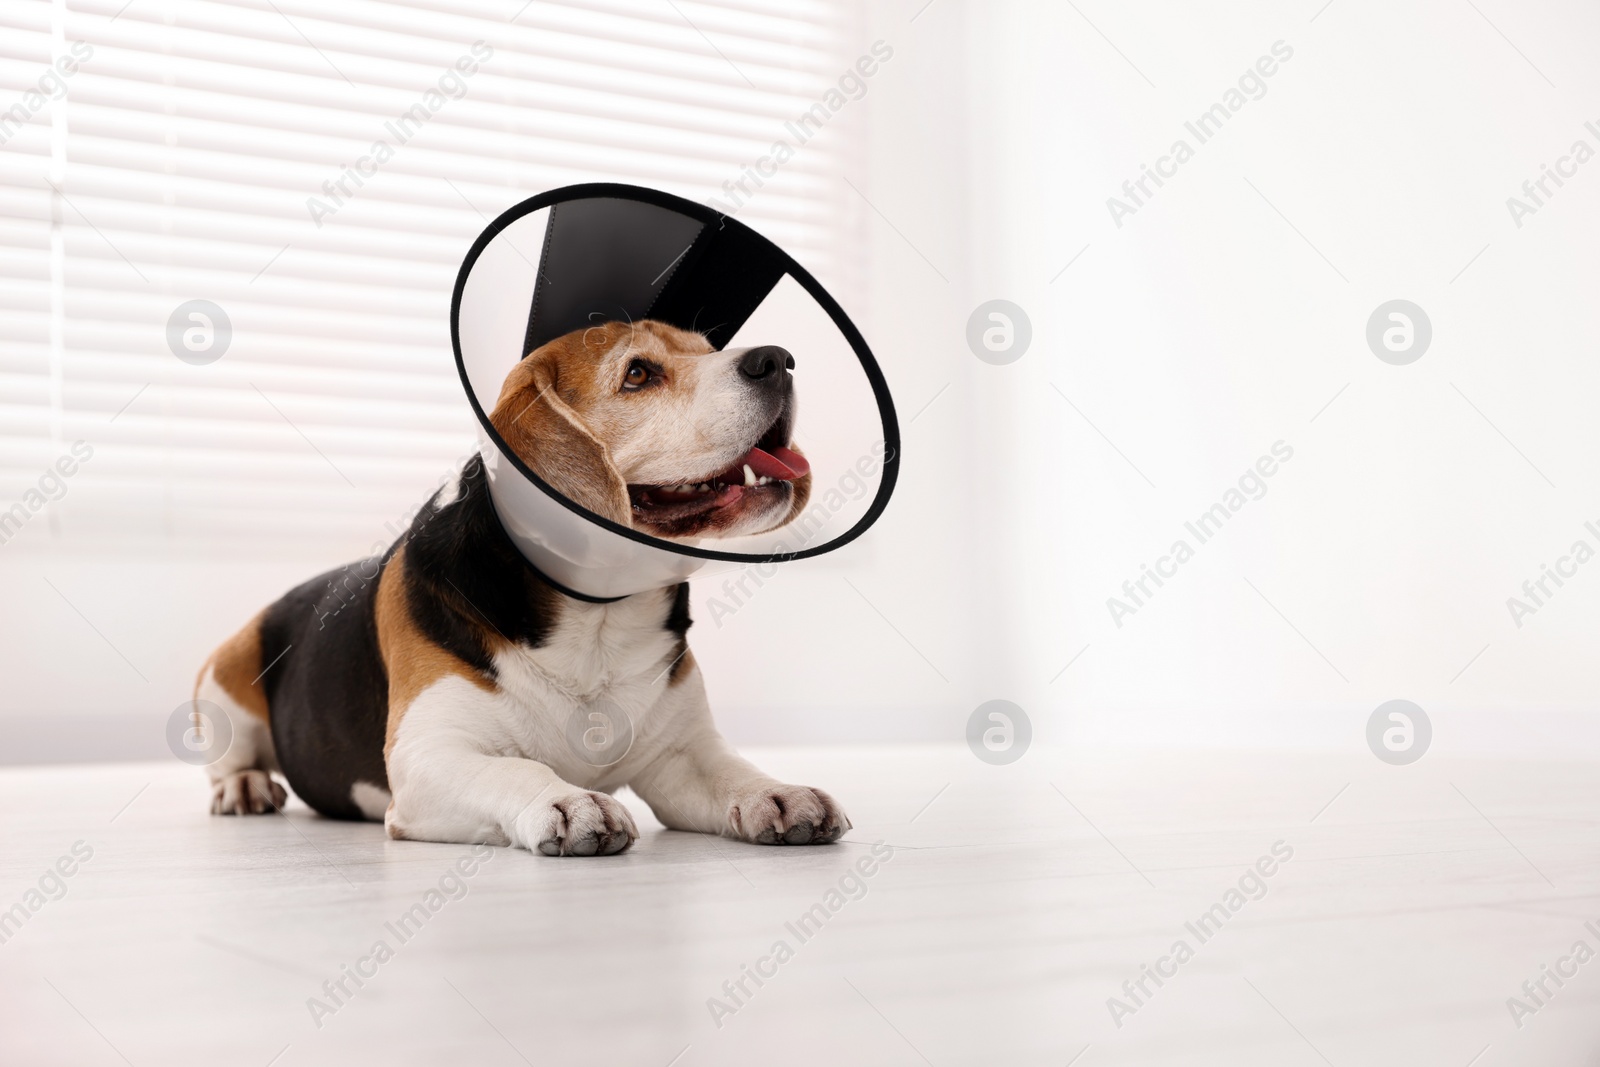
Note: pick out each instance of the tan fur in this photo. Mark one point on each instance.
(681, 668)
(537, 414)
(565, 412)
(412, 661)
(237, 663)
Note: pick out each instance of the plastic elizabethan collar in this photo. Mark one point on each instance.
(585, 255)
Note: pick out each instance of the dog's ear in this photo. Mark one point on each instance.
(546, 432)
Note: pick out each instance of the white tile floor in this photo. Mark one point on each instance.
(1016, 903)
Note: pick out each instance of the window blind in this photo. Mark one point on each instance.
(315, 173)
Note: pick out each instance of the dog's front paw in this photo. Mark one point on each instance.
(787, 815)
(246, 793)
(579, 823)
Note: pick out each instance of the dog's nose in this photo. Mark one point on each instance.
(760, 362)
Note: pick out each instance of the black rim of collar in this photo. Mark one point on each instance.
(708, 216)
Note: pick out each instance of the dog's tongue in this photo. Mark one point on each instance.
(785, 464)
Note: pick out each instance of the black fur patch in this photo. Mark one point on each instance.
(467, 577)
(678, 620)
(680, 662)
(328, 694)
(465, 583)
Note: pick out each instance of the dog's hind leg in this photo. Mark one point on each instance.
(241, 772)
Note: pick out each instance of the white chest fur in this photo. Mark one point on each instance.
(508, 764)
(611, 660)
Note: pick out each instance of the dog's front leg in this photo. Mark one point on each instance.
(702, 784)
(449, 785)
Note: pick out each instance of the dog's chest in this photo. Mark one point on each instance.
(612, 658)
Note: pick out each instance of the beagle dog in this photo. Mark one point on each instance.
(443, 686)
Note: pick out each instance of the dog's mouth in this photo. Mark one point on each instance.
(765, 474)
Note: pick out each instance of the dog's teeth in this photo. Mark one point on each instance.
(749, 475)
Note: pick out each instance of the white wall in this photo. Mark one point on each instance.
(812, 658)
(1209, 326)
(1204, 329)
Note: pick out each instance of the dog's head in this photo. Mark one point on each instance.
(649, 426)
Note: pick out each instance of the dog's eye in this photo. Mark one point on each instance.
(638, 375)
